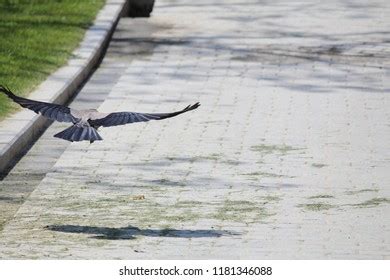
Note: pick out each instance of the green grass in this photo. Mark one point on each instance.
(263, 174)
(270, 198)
(316, 206)
(372, 202)
(241, 211)
(321, 196)
(319, 165)
(273, 149)
(361, 191)
(37, 37)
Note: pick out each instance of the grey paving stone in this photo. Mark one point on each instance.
(287, 157)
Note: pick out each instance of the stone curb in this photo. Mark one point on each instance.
(22, 128)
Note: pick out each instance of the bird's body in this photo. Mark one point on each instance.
(86, 122)
(85, 115)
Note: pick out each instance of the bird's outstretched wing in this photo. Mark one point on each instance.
(121, 118)
(49, 110)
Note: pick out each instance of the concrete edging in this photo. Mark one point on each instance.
(22, 128)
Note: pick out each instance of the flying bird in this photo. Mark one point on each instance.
(86, 122)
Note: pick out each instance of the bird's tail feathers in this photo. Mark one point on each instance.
(79, 133)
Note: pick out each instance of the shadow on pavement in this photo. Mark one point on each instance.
(130, 232)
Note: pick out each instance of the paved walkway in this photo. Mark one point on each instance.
(288, 156)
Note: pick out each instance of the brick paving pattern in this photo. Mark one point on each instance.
(288, 156)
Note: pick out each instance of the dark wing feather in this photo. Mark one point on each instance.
(49, 110)
(121, 118)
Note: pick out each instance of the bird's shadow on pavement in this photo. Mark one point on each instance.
(130, 232)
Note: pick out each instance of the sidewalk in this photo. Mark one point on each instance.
(288, 156)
